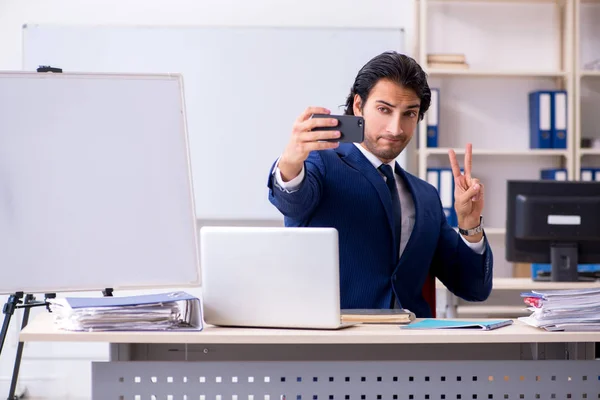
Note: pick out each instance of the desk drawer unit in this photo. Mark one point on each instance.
(347, 380)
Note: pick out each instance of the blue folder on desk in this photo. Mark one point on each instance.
(452, 324)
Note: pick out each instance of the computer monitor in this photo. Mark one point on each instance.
(556, 222)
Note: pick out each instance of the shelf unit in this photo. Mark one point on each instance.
(500, 152)
(495, 73)
(555, 70)
(587, 82)
(564, 77)
(584, 73)
(589, 152)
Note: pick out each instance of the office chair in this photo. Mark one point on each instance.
(429, 293)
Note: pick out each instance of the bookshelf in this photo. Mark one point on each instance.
(589, 73)
(587, 83)
(512, 47)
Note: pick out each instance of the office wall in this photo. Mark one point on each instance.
(349, 13)
(58, 371)
(62, 371)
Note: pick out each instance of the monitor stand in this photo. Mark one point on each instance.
(563, 258)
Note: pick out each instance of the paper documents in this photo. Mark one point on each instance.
(564, 310)
(378, 316)
(155, 312)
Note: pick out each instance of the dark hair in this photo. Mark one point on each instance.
(396, 67)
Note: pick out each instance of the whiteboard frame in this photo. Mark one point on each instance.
(219, 217)
(168, 284)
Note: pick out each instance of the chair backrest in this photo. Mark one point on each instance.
(429, 293)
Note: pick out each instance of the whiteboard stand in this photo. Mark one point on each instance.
(15, 301)
(61, 151)
(26, 302)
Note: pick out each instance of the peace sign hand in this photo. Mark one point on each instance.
(468, 192)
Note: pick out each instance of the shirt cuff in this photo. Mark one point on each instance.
(290, 186)
(478, 247)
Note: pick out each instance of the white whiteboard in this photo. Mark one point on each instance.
(244, 88)
(95, 187)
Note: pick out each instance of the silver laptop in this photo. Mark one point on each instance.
(271, 277)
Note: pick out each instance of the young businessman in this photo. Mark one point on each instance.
(392, 228)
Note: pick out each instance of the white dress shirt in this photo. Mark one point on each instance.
(407, 204)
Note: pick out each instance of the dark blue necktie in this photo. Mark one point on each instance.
(396, 211)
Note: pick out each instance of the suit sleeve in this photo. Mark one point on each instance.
(300, 203)
(464, 272)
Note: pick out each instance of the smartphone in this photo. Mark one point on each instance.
(351, 127)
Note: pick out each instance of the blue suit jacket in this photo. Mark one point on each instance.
(342, 189)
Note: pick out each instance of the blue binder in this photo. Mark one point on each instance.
(559, 122)
(559, 174)
(443, 180)
(588, 174)
(433, 178)
(433, 118)
(540, 119)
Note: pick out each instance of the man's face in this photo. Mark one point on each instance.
(391, 113)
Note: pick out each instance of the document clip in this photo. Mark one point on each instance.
(47, 68)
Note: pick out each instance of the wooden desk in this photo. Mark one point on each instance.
(374, 361)
(42, 329)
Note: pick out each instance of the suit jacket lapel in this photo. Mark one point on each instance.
(354, 158)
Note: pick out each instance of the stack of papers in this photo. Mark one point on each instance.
(564, 310)
(156, 312)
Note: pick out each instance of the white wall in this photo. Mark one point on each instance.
(330, 13)
(479, 33)
(60, 371)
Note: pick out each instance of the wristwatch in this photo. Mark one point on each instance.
(473, 231)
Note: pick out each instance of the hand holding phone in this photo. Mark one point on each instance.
(315, 129)
(351, 127)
